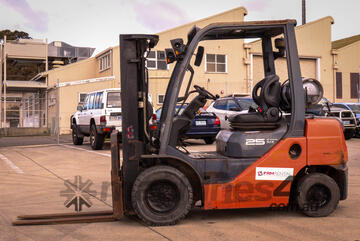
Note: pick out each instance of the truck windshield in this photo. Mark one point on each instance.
(113, 100)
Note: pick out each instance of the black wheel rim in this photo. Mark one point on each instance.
(162, 196)
(92, 138)
(318, 196)
(74, 136)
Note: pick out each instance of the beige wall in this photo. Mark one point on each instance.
(314, 44)
(348, 61)
(215, 83)
(69, 95)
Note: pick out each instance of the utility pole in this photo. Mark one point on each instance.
(303, 12)
(58, 111)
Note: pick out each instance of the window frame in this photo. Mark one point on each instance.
(216, 72)
(79, 97)
(86, 102)
(338, 84)
(91, 106)
(107, 99)
(354, 82)
(98, 100)
(105, 62)
(158, 99)
(156, 61)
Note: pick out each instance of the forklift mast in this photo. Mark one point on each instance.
(134, 99)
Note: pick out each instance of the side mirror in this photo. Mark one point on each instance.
(170, 56)
(234, 108)
(79, 107)
(199, 56)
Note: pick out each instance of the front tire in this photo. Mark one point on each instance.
(161, 195)
(96, 140)
(317, 195)
(77, 139)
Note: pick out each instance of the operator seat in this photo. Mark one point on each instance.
(182, 123)
(266, 95)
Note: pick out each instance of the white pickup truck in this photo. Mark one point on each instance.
(97, 117)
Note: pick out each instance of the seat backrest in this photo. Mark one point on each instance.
(266, 95)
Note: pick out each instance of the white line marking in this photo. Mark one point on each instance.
(38, 145)
(11, 164)
(81, 149)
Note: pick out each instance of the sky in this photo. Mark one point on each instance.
(94, 23)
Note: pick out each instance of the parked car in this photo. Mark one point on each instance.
(205, 125)
(355, 108)
(96, 117)
(346, 116)
(227, 106)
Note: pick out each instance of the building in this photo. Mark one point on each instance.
(346, 54)
(231, 68)
(23, 90)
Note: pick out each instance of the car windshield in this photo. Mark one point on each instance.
(113, 100)
(246, 103)
(355, 107)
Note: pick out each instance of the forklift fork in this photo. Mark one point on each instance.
(88, 217)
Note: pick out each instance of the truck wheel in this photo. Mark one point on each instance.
(96, 140)
(317, 195)
(348, 134)
(209, 140)
(77, 140)
(161, 195)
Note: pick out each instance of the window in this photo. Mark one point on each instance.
(98, 100)
(354, 85)
(52, 100)
(156, 60)
(246, 103)
(82, 97)
(338, 85)
(220, 104)
(161, 99)
(232, 104)
(113, 100)
(86, 103)
(105, 62)
(91, 101)
(216, 63)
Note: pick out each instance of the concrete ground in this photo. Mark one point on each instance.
(32, 182)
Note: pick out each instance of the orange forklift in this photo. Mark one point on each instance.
(275, 155)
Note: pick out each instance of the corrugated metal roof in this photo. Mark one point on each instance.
(338, 44)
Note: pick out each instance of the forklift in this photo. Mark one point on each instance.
(275, 155)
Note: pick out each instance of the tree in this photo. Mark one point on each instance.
(13, 35)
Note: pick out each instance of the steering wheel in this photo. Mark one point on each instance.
(202, 91)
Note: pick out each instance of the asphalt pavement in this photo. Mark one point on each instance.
(33, 177)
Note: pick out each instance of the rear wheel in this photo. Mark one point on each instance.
(96, 140)
(161, 195)
(317, 195)
(77, 139)
(209, 140)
